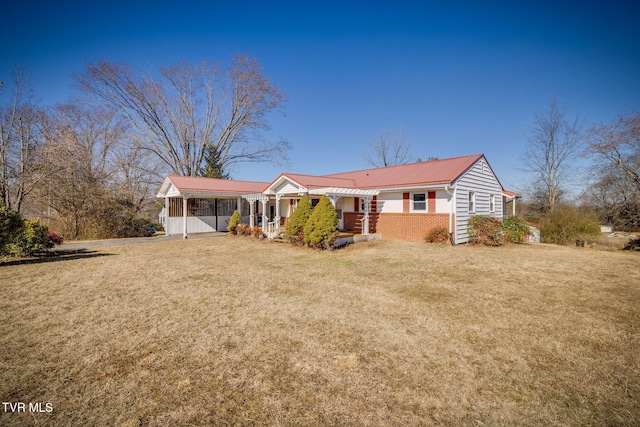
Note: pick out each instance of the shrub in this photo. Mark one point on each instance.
(321, 229)
(298, 219)
(135, 227)
(33, 239)
(24, 237)
(234, 221)
(243, 230)
(257, 233)
(437, 235)
(567, 224)
(632, 245)
(514, 229)
(11, 224)
(485, 230)
(54, 238)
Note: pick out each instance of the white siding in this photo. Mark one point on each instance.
(443, 202)
(347, 204)
(288, 187)
(389, 202)
(483, 183)
(196, 224)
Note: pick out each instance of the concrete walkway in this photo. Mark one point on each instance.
(92, 244)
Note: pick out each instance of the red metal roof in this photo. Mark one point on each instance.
(314, 181)
(215, 185)
(432, 172)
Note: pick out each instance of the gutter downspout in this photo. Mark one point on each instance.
(453, 204)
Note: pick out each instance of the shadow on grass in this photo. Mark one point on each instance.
(53, 256)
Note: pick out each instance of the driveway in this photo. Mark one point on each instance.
(93, 244)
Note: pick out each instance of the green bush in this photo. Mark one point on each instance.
(321, 229)
(566, 224)
(437, 235)
(298, 219)
(234, 221)
(514, 229)
(11, 224)
(485, 230)
(33, 239)
(24, 237)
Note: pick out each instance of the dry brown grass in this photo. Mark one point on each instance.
(231, 331)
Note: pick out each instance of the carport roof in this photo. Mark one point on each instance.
(175, 185)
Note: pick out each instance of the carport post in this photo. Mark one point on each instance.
(166, 215)
(184, 216)
(252, 212)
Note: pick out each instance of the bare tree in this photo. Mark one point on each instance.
(389, 149)
(553, 143)
(21, 162)
(80, 152)
(615, 148)
(617, 145)
(187, 109)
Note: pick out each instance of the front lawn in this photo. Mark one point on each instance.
(233, 331)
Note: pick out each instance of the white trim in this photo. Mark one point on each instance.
(412, 203)
(343, 192)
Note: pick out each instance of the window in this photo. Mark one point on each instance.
(227, 206)
(492, 203)
(472, 201)
(195, 207)
(419, 202)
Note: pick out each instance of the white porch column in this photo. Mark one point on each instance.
(513, 205)
(277, 218)
(365, 219)
(184, 216)
(251, 214)
(240, 206)
(166, 216)
(334, 199)
(264, 214)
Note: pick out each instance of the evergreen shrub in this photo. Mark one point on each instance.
(10, 228)
(321, 229)
(234, 221)
(298, 219)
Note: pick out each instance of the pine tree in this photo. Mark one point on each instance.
(298, 219)
(212, 167)
(321, 230)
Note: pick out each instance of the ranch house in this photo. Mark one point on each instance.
(398, 202)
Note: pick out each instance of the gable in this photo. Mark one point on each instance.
(480, 175)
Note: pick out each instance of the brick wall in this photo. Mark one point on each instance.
(403, 226)
(409, 226)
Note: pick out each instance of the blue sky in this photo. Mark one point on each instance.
(458, 77)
